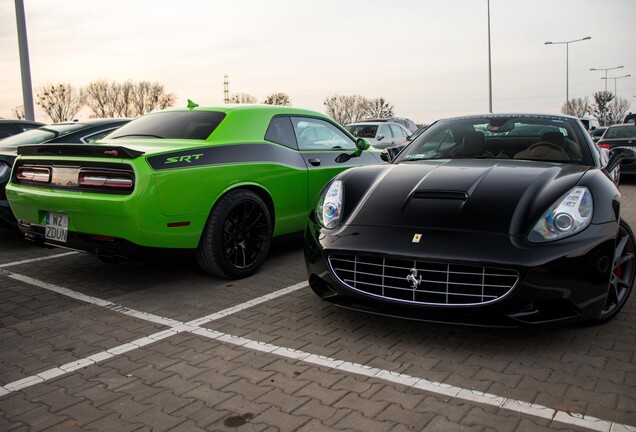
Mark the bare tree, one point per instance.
(278, 99)
(61, 102)
(345, 109)
(618, 109)
(127, 99)
(378, 108)
(124, 102)
(601, 109)
(577, 107)
(149, 97)
(101, 98)
(242, 98)
(18, 112)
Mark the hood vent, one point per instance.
(442, 195)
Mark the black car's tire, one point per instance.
(622, 277)
(236, 237)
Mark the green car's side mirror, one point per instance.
(362, 144)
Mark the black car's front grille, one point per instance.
(422, 282)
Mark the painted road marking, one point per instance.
(193, 327)
(32, 260)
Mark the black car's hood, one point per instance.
(498, 196)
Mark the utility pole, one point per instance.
(489, 65)
(226, 89)
(25, 67)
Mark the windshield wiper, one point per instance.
(138, 135)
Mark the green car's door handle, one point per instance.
(314, 162)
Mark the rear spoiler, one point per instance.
(85, 150)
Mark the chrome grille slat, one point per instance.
(432, 283)
(423, 291)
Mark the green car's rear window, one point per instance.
(171, 124)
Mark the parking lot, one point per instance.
(161, 346)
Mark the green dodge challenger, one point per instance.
(222, 181)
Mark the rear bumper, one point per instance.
(134, 219)
(98, 245)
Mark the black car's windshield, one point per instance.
(171, 124)
(524, 137)
(41, 134)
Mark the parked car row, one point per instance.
(70, 132)
(486, 219)
(380, 134)
(9, 127)
(620, 135)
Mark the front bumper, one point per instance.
(564, 281)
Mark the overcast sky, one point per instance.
(429, 58)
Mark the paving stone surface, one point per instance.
(290, 363)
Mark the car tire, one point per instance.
(622, 276)
(236, 237)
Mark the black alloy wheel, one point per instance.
(237, 236)
(622, 276)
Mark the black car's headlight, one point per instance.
(570, 214)
(5, 169)
(329, 208)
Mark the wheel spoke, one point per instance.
(620, 246)
(623, 259)
(256, 220)
(623, 271)
(620, 282)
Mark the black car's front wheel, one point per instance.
(623, 272)
(236, 237)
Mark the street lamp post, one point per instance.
(489, 65)
(25, 67)
(606, 69)
(567, 63)
(615, 79)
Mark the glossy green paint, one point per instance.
(184, 194)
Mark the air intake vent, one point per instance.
(422, 282)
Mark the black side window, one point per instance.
(398, 132)
(280, 131)
(385, 131)
(172, 124)
(317, 134)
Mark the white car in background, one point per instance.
(380, 134)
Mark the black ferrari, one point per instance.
(501, 220)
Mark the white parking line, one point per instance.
(193, 326)
(31, 260)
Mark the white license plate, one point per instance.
(56, 227)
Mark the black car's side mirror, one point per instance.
(390, 153)
(380, 137)
(619, 155)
